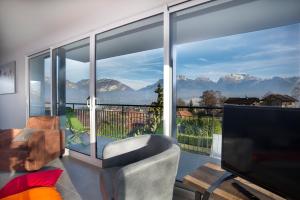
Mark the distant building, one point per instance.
(242, 101)
(184, 114)
(280, 100)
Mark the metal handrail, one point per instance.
(145, 105)
(121, 123)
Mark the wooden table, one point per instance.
(202, 178)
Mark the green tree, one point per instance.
(191, 105)
(156, 110)
(180, 102)
(212, 98)
(209, 98)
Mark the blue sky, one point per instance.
(136, 70)
(264, 54)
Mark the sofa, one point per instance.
(29, 149)
(139, 168)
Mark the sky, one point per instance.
(136, 70)
(263, 54)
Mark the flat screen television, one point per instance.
(262, 145)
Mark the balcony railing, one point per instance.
(195, 125)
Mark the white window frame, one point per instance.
(27, 79)
(169, 109)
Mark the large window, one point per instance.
(40, 85)
(73, 79)
(241, 52)
(129, 74)
(223, 52)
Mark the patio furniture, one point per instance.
(139, 168)
(32, 147)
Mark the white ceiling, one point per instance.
(23, 22)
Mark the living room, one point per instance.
(147, 99)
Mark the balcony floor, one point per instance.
(71, 184)
(190, 161)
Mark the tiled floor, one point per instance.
(81, 180)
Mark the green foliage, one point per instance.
(180, 102)
(212, 98)
(155, 125)
(195, 134)
(195, 140)
(113, 130)
(191, 106)
(199, 126)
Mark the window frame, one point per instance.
(169, 71)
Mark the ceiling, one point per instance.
(23, 22)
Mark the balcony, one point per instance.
(150, 67)
(198, 129)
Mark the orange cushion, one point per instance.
(38, 193)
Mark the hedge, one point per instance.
(195, 140)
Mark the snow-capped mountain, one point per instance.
(232, 85)
(237, 78)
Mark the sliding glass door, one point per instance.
(128, 85)
(39, 85)
(239, 52)
(72, 63)
(129, 81)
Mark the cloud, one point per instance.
(136, 70)
(264, 68)
(203, 59)
(265, 53)
(271, 50)
(76, 70)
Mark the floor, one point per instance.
(188, 161)
(85, 185)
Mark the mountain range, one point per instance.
(110, 91)
(237, 85)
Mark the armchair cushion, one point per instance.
(7, 136)
(142, 167)
(134, 149)
(31, 148)
(156, 173)
(24, 182)
(38, 193)
(24, 135)
(43, 122)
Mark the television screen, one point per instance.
(262, 145)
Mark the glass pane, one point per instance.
(73, 69)
(129, 81)
(40, 85)
(231, 53)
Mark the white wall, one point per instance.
(13, 106)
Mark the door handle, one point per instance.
(88, 101)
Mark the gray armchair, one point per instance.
(139, 168)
